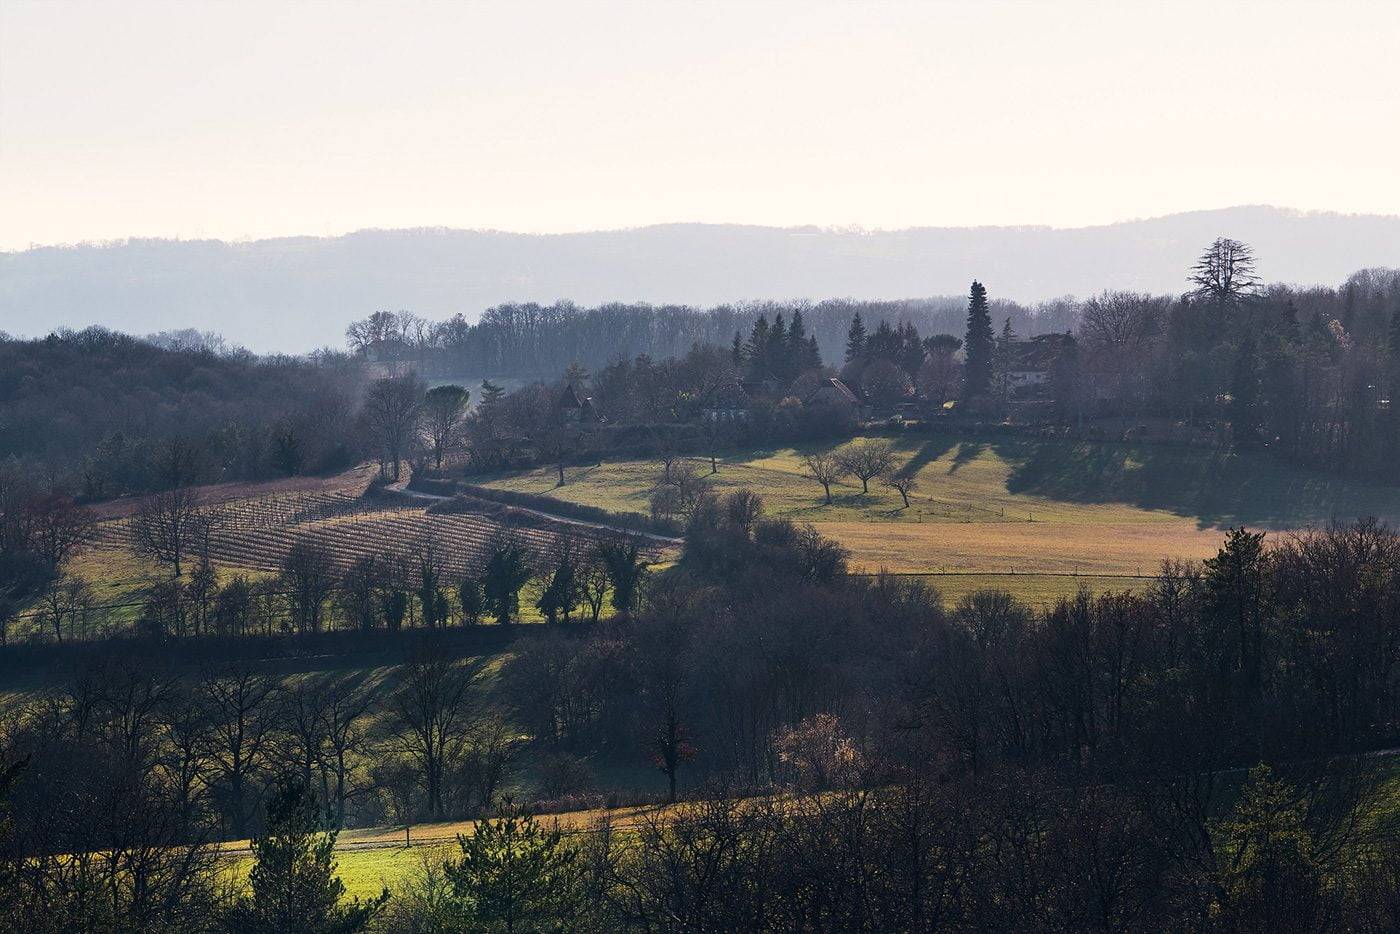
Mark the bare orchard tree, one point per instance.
(1224, 275)
(867, 460)
(391, 412)
(903, 483)
(444, 414)
(170, 525)
(433, 716)
(826, 468)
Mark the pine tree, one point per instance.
(756, 350)
(736, 350)
(490, 393)
(911, 350)
(796, 350)
(515, 875)
(883, 344)
(855, 340)
(776, 351)
(979, 344)
(293, 881)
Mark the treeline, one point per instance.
(1310, 374)
(539, 342)
(106, 414)
(574, 578)
(1307, 374)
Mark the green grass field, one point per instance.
(998, 512)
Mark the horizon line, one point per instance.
(851, 229)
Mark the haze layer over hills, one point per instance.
(297, 293)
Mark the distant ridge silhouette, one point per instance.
(297, 293)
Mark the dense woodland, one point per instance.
(856, 754)
(106, 414)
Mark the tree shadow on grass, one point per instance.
(967, 452)
(1216, 488)
(927, 453)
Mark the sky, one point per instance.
(250, 119)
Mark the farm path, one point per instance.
(401, 487)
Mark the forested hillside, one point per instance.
(117, 414)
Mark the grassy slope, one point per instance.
(373, 857)
(991, 509)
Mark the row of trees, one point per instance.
(575, 579)
(537, 342)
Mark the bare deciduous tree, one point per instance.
(391, 412)
(309, 576)
(867, 460)
(434, 716)
(239, 700)
(169, 525)
(826, 468)
(56, 527)
(903, 483)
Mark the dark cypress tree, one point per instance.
(911, 350)
(796, 349)
(883, 344)
(736, 350)
(776, 351)
(756, 350)
(855, 340)
(980, 344)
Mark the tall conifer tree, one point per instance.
(979, 345)
(855, 340)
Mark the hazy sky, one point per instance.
(253, 119)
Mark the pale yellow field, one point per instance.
(1108, 548)
(1008, 509)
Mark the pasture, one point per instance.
(1005, 511)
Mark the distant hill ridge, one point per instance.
(297, 293)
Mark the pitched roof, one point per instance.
(1037, 353)
(568, 399)
(833, 386)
